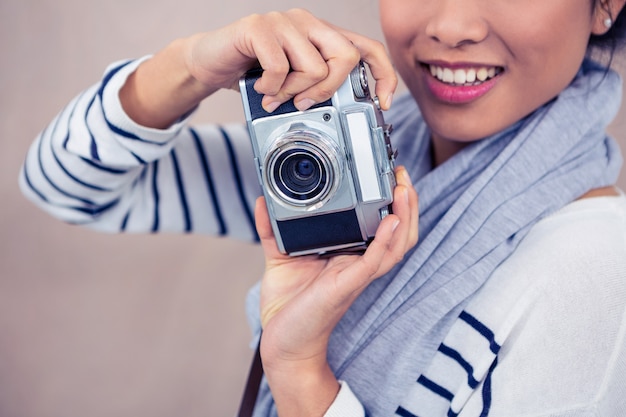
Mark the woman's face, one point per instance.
(476, 67)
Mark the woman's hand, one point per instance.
(303, 58)
(303, 298)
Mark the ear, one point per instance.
(604, 15)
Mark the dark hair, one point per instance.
(614, 39)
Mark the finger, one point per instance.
(299, 66)
(414, 225)
(294, 84)
(312, 81)
(264, 230)
(279, 46)
(341, 58)
(374, 53)
(403, 178)
(399, 239)
(386, 80)
(368, 266)
(405, 234)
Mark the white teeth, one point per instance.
(460, 77)
(471, 76)
(482, 74)
(463, 76)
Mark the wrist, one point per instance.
(162, 90)
(304, 388)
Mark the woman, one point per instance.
(512, 303)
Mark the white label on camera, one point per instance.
(360, 137)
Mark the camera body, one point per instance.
(327, 172)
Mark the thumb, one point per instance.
(264, 230)
(262, 219)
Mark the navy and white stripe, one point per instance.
(458, 381)
(94, 166)
(461, 369)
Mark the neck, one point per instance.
(444, 149)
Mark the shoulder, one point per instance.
(585, 237)
(577, 252)
(566, 284)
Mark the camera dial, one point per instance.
(358, 80)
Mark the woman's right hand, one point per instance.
(303, 58)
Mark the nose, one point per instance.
(455, 23)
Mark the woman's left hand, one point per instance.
(304, 297)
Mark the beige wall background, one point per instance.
(120, 325)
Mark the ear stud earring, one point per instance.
(608, 22)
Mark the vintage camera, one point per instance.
(327, 172)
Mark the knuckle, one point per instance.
(395, 257)
(352, 55)
(273, 15)
(253, 20)
(298, 12)
(318, 72)
(378, 46)
(278, 21)
(324, 91)
(287, 93)
(277, 69)
(370, 268)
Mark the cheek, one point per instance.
(546, 61)
(401, 28)
(555, 35)
(399, 21)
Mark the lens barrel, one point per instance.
(302, 169)
(300, 174)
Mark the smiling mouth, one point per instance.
(466, 77)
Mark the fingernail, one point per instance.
(304, 104)
(270, 107)
(405, 175)
(388, 101)
(395, 225)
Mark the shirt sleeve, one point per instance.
(346, 404)
(94, 166)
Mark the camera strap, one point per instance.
(246, 408)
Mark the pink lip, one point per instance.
(458, 94)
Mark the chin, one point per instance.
(460, 133)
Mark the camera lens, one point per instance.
(303, 169)
(300, 174)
